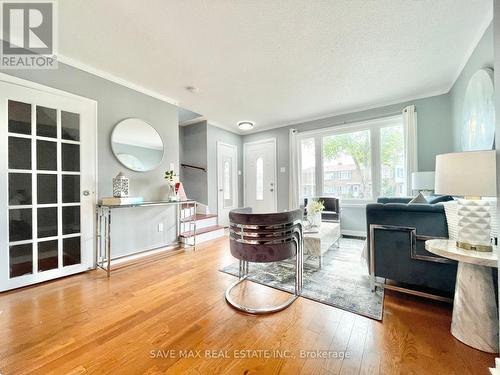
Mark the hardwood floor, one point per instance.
(143, 317)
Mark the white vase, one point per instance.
(315, 219)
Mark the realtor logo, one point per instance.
(28, 35)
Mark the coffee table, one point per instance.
(318, 240)
(475, 313)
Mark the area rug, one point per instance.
(342, 281)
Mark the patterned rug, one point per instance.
(342, 281)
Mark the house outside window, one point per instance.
(356, 163)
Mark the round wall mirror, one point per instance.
(137, 145)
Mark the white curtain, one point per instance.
(293, 194)
(410, 129)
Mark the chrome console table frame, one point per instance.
(294, 233)
(103, 212)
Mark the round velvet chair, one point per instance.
(265, 238)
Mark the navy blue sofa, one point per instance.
(397, 232)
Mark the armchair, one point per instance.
(332, 208)
(395, 239)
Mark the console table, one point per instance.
(103, 228)
(475, 313)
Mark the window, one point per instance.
(308, 167)
(392, 159)
(359, 162)
(259, 179)
(347, 161)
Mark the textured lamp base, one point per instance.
(474, 229)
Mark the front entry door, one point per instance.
(47, 184)
(227, 181)
(260, 175)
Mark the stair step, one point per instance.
(201, 231)
(198, 217)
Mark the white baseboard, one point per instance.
(356, 233)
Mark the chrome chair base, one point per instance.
(243, 275)
(256, 311)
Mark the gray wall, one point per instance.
(115, 103)
(193, 151)
(482, 57)
(214, 135)
(434, 137)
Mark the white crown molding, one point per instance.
(118, 80)
(123, 82)
(350, 111)
(193, 121)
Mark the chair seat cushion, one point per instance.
(262, 253)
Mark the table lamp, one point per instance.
(472, 175)
(423, 182)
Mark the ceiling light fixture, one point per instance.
(192, 89)
(246, 125)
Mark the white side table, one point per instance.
(475, 313)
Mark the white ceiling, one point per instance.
(275, 61)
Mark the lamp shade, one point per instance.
(470, 173)
(422, 180)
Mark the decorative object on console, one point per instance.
(423, 182)
(120, 186)
(180, 192)
(472, 175)
(172, 179)
(478, 129)
(314, 209)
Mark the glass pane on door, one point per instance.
(20, 260)
(44, 199)
(228, 183)
(46, 122)
(48, 255)
(19, 117)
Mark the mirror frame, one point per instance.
(116, 155)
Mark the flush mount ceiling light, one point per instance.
(192, 89)
(246, 125)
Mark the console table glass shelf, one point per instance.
(185, 214)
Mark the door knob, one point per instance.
(86, 193)
(221, 190)
(271, 189)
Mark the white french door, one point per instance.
(227, 181)
(260, 175)
(47, 184)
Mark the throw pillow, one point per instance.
(433, 199)
(418, 199)
(451, 212)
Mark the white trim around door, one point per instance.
(275, 172)
(227, 190)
